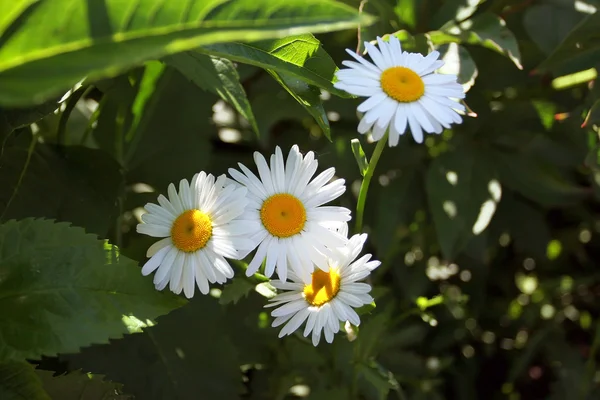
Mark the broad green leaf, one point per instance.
(217, 75)
(368, 343)
(463, 193)
(548, 24)
(307, 95)
(63, 289)
(593, 116)
(458, 61)
(375, 381)
(79, 386)
(196, 349)
(171, 141)
(538, 181)
(147, 84)
(486, 29)
(233, 292)
(14, 118)
(457, 10)
(18, 381)
(74, 184)
(406, 11)
(41, 56)
(301, 56)
(581, 47)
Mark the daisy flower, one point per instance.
(200, 229)
(403, 91)
(327, 298)
(290, 225)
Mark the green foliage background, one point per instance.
(488, 234)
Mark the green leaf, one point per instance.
(74, 184)
(18, 381)
(458, 61)
(233, 292)
(406, 11)
(63, 289)
(100, 39)
(217, 75)
(301, 56)
(375, 381)
(15, 118)
(457, 10)
(172, 140)
(580, 49)
(366, 309)
(487, 30)
(307, 95)
(368, 343)
(196, 349)
(463, 193)
(359, 155)
(548, 24)
(77, 386)
(538, 181)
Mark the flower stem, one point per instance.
(364, 187)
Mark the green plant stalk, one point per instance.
(364, 187)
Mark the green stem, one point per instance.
(364, 187)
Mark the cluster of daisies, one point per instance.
(280, 213)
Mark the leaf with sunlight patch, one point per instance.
(61, 289)
(463, 195)
(98, 39)
(300, 55)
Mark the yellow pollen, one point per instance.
(191, 231)
(402, 84)
(283, 215)
(324, 287)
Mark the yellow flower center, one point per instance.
(402, 84)
(191, 231)
(283, 215)
(323, 288)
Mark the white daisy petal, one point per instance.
(326, 299)
(284, 211)
(201, 224)
(394, 84)
(154, 262)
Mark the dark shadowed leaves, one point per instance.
(74, 184)
(18, 381)
(463, 191)
(79, 386)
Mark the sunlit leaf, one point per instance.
(63, 289)
(307, 95)
(101, 39)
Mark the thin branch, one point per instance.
(360, 10)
